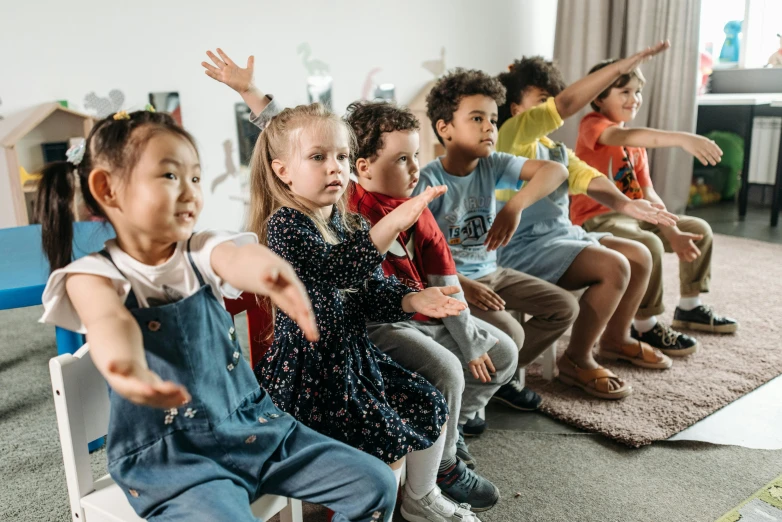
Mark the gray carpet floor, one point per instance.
(543, 476)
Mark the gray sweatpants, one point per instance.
(429, 349)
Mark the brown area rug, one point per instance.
(746, 285)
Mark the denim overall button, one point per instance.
(153, 326)
(133, 493)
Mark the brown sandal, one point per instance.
(594, 382)
(639, 354)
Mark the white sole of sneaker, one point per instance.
(473, 508)
(725, 328)
(511, 405)
(683, 352)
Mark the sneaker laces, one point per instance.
(668, 334)
(516, 385)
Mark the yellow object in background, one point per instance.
(26, 177)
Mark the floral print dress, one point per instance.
(342, 385)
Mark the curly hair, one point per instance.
(619, 83)
(534, 71)
(370, 120)
(444, 98)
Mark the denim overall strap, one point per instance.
(130, 302)
(192, 263)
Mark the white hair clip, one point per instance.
(76, 153)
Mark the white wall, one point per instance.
(63, 50)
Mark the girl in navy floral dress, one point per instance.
(342, 385)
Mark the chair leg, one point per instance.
(549, 362)
(293, 512)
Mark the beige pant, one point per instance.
(552, 308)
(693, 277)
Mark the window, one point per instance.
(761, 22)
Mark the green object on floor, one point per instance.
(732, 146)
(767, 501)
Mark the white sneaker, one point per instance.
(435, 508)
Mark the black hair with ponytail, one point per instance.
(114, 143)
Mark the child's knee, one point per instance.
(567, 308)
(505, 357)
(446, 373)
(617, 270)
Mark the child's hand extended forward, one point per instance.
(385, 231)
(434, 302)
(140, 385)
(705, 150)
(626, 65)
(645, 210)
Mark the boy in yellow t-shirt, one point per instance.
(614, 271)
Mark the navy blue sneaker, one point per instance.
(517, 396)
(464, 486)
(474, 427)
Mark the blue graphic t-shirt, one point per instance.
(466, 212)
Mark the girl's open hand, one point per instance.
(281, 284)
(434, 302)
(226, 71)
(140, 385)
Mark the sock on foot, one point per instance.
(689, 303)
(644, 325)
(446, 465)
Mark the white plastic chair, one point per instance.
(81, 400)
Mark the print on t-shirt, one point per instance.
(625, 178)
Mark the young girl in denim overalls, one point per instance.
(191, 435)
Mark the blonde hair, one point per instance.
(269, 192)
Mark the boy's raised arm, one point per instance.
(577, 95)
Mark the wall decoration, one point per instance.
(104, 106)
(374, 91)
(436, 67)
(167, 102)
(319, 81)
(230, 166)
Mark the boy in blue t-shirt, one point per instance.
(463, 109)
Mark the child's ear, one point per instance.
(102, 189)
(444, 130)
(515, 109)
(280, 171)
(362, 169)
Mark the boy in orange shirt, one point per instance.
(620, 153)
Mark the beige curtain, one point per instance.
(589, 31)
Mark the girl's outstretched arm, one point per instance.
(256, 269)
(116, 344)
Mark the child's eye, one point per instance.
(403, 159)
(494, 122)
(196, 179)
(342, 157)
(318, 157)
(478, 119)
(169, 175)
